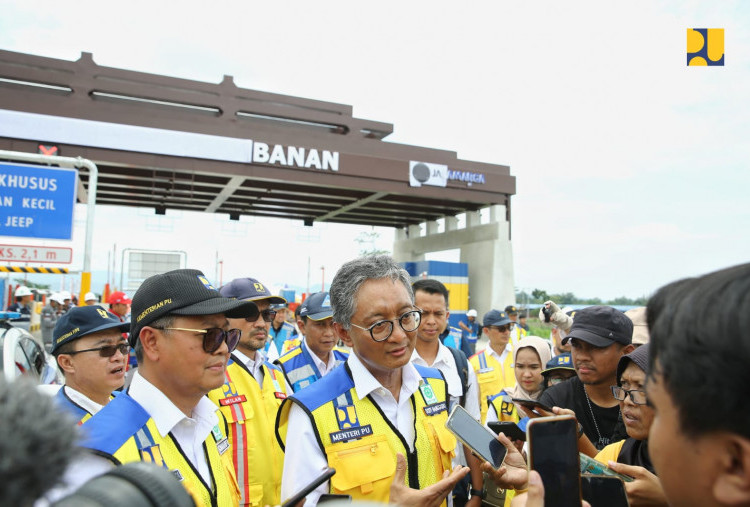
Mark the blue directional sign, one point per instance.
(37, 202)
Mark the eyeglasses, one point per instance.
(637, 396)
(106, 350)
(213, 337)
(382, 329)
(502, 329)
(267, 314)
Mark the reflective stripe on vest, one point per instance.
(492, 377)
(250, 410)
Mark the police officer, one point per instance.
(318, 354)
(182, 341)
(91, 352)
(250, 398)
(494, 365)
(375, 406)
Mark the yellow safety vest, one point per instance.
(250, 410)
(361, 445)
(124, 432)
(492, 376)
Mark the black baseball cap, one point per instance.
(511, 310)
(601, 326)
(639, 356)
(250, 289)
(317, 307)
(80, 321)
(182, 292)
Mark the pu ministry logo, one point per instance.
(705, 47)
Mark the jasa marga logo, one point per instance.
(705, 47)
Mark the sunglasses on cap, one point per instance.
(106, 350)
(267, 314)
(213, 337)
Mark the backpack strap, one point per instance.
(462, 365)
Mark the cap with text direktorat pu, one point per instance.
(250, 289)
(317, 307)
(601, 326)
(182, 292)
(81, 321)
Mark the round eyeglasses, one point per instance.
(382, 329)
(637, 396)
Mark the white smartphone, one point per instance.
(476, 437)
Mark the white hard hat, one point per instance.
(89, 296)
(57, 297)
(23, 291)
(64, 294)
(471, 313)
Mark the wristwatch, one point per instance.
(477, 492)
(580, 430)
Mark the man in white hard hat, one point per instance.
(470, 331)
(50, 313)
(23, 299)
(90, 299)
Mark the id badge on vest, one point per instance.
(432, 405)
(222, 442)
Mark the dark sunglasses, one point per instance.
(106, 350)
(502, 329)
(267, 314)
(214, 337)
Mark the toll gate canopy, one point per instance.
(171, 143)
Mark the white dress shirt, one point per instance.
(253, 365)
(323, 368)
(82, 400)
(304, 460)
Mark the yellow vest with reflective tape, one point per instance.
(124, 432)
(492, 377)
(362, 445)
(250, 411)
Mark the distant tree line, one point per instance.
(540, 296)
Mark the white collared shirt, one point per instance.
(82, 400)
(253, 365)
(323, 368)
(190, 432)
(500, 357)
(304, 460)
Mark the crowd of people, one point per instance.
(246, 402)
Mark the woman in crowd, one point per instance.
(630, 456)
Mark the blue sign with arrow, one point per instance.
(37, 202)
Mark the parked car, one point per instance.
(22, 355)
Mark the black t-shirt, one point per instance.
(570, 394)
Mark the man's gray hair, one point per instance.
(160, 323)
(353, 274)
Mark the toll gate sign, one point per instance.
(37, 202)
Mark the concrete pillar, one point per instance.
(485, 248)
(451, 224)
(400, 234)
(473, 219)
(415, 231)
(432, 228)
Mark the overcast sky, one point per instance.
(631, 167)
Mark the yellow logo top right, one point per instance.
(705, 47)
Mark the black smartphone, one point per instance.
(604, 491)
(476, 437)
(510, 429)
(323, 477)
(553, 452)
(532, 404)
